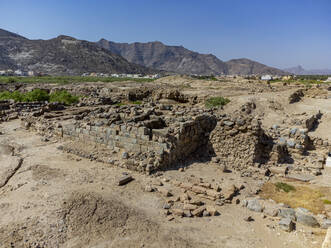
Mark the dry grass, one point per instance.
(302, 196)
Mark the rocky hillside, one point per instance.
(299, 70)
(61, 56)
(247, 67)
(169, 58)
(178, 59)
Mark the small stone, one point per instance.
(205, 213)
(177, 211)
(248, 219)
(166, 206)
(228, 123)
(165, 192)
(190, 206)
(149, 188)
(215, 159)
(212, 210)
(170, 218)
(286, 224)
(187, 213)
(124, 180)
(125, 155)
(229, 193)
(198, 212)
(219, 202)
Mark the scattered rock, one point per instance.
(205, 213)
(326, 223)
(165, 192)
(170, 218)
(212, 210)
(229, 193)
(149, 188)
(177, 211)
(286, 224)
(287, 213)
(198, 212)
(306, 218)
(187, 213)
(125, 155)
(254, 205)
(248, 219)
(166, 206)
(124, 180)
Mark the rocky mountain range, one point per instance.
(63, 55)
(299, 70)
(66, 55)
(178, 59)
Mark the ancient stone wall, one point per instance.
(142, 148)
(240, 142)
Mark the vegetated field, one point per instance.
(61, 96)
(68, 79)
(216, 102)
(295, 196)
(307, 80)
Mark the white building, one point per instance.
(328, 80)
(18, 73)
(266, 77)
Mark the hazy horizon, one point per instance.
(281, 34)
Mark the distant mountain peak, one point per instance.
(178, 59)
(299, 70)
(7, 34)
(65, 37)
(63, 55)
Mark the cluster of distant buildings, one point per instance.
(125, 75)
(288, 77)
(22, 73)
(19, 73)
(268, 77)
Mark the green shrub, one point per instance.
(64, 97)
(285, 187)
(11, 80)
(216, 102)
(137, 102)
(326, 201)
(38, 95)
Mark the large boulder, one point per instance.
(287, 213)
(254, 205)
(304, 217)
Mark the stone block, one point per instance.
(286, 224)
(198, 212)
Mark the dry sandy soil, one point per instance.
(59, 200)
(55, 199)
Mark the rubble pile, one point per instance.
(146, 138)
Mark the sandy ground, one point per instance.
(59, 200)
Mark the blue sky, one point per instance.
(279, 33)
